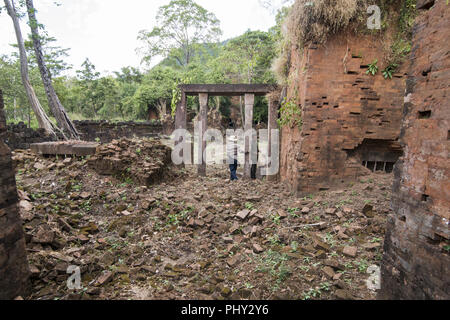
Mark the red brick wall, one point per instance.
(341, 107)
(416, 264)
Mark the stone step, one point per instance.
(79, 149)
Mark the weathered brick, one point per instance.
(14, 271)
(415, 263)
(349, 117)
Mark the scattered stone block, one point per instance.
(105, 278)
(350, 251)
(257, 249)
(328, 272)
(243, 214)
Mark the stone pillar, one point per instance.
(181, 113)
(274, 107)
(203, 120)
(14, 272)
(249, 103)
(416, 261)
(181, 116)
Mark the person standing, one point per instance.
(232, 154)
(254, 166)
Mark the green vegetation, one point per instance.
(309, 22)
(131, 94)
(373, 68)
(362, 265)
(316, 292)
(290, 114)
(274, 263)
(293, 212)
(174, 219)
(249, 206)
(276, 219)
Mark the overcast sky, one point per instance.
(105, 31)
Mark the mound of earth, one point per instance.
(143, 161)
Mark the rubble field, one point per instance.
(140, 228)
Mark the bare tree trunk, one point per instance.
(15, 106)
(55, 104)
(162, 108)
(218, 103)
(42, 118)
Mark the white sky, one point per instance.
(105, 31)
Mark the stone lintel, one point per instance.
(63, 148)
(227, 89)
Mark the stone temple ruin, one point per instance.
(350, 120)
(415, 265)
(352, 123)
(249, 91)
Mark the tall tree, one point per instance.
(54, 55)
(55, 104)
(181, 26)
(247, 58)
(156, 91)
(41, 116)
(88, 81)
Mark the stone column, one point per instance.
(274, 107)
(181, 113)
(181, 116)
(14, 272)
(249, 103)
(203, 119)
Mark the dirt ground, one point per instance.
(187, 237)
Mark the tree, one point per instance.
(107, 98)
(55, 105)
(88, 95)
(181, 26)
(13, 89)
(156, 91)
(17, 106)
(247, 58)
(42, 118)
(53, 55)
(129, 75)
(129, 80)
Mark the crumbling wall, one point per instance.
(416, 263)
(13, 262)
(107, 131)
(342, 107)
(19, 136)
